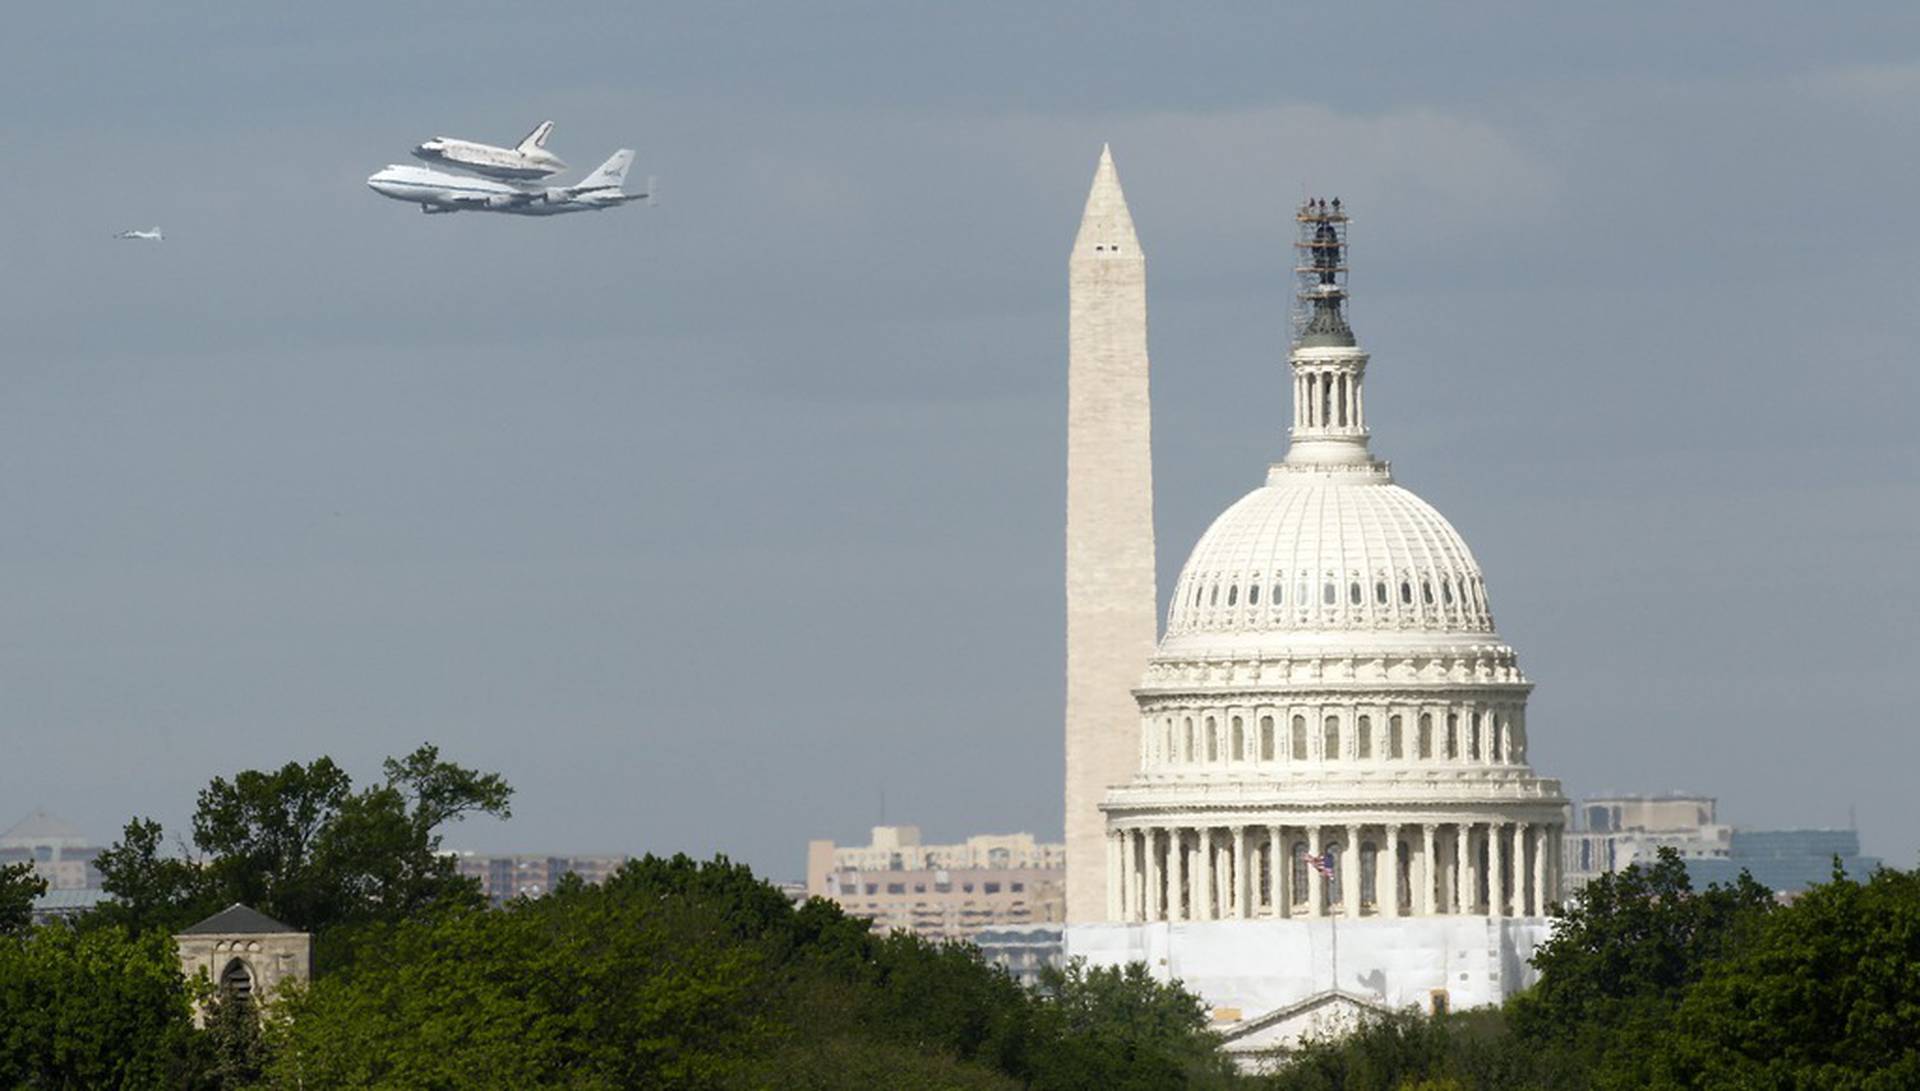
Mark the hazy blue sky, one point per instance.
(708, 523)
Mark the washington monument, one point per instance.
(1111, 626)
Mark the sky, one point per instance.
(737, 521)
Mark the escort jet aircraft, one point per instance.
(439, 191)
(152, 234)
(527, 161)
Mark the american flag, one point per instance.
(1322, 863)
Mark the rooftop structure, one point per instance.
(245, 953)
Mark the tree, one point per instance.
(19, 886)
(150, 888)
(1119, 1028)
(1622, 956)
(94, 1009)
(301, 845)
(1826, 993)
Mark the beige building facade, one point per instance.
(530, 875)
(951, 891)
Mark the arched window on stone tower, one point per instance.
(236, 981)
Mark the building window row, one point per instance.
(1406, 593)
(1484, 734)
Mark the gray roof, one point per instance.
(41, 828)
(236, 919)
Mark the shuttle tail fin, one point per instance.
(611, 174)
(537, 138)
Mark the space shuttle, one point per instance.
(526, 161)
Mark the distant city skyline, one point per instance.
(705, 525)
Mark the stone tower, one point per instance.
(1110, 582)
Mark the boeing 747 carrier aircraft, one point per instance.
(439, 191)
(523, 162)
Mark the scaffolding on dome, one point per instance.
(1321, 266)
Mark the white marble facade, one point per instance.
(1331, 747)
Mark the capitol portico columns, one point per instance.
(1427, 872)
(1496, 892)
(1276, 876)
(1350, 874)
(1392, 885)
(1156, 894)
(1316, 883)
(1520, 869)
(1177, 878)
(1540, 835)
(1203, 887)
(1462, 876)
(1242, 888)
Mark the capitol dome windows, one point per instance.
(1233, 594)
(1453, 737)
(1330, 739)
(1406, 593)
(1363, 737)
(1298, 751)
(1266, 738)
(1393, 738)
(1426, 735)
(1239, 751)
(1253, 594)
(1329, 593)
(1380, 593)
(1353, 593)
(1213, 741)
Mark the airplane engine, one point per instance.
(501, 202)
(557, 196)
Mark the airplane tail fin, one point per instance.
(611, 174)
(537, 138)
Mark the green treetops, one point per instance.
(300, 844)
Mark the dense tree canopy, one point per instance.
(677, 973)
(94, 1009)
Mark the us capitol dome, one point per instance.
(1330, 730)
